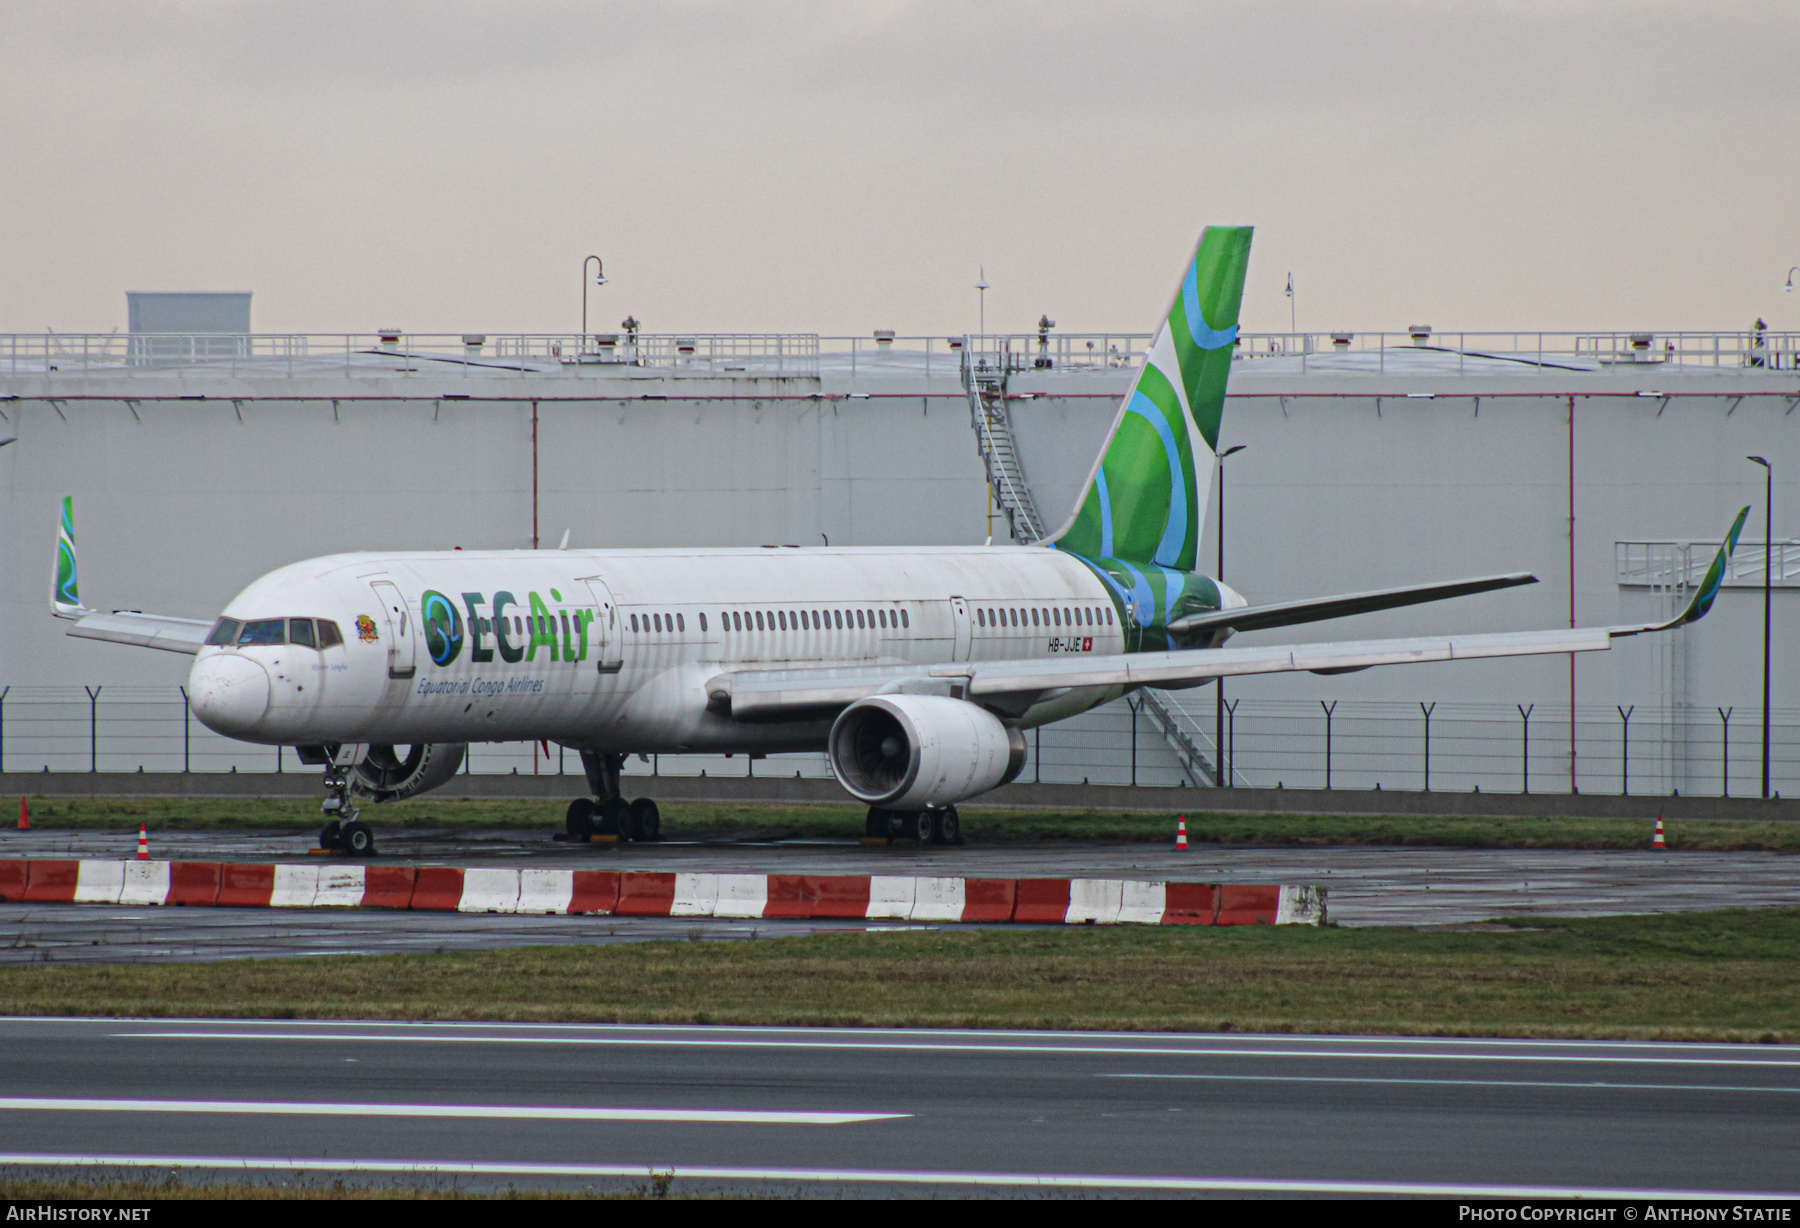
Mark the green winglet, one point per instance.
(1715, 576)
(65, 589)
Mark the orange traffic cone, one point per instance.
(24, 816)
(1181, 834)
(1656, 841)
(143, 844)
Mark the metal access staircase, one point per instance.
(985, 381)
(984, 378)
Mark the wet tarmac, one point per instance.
(1365, 885)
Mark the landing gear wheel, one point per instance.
(331, 835)
(612, 818)
(646, 820)
(879, 825)
(579, 821)
(946, 827)
(919, 825)
(357, 839)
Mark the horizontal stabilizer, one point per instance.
(187, 635)
(1317, 609)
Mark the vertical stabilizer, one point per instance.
(65, 589)
(1147, 496)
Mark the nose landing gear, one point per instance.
(345, 832)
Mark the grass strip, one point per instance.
(191, 1186)
(1696, 976)
(701, 820)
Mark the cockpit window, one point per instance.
(300, 631)
(329, 635)
(224, 631)
(264, 631)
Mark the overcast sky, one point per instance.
(840, 167)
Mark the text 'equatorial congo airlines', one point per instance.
(914, 670)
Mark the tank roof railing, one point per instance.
(1680, 566)
(387, 353)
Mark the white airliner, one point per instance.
(915, 670)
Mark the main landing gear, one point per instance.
(926, 826)
(606, 813)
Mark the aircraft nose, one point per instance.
(229, 694)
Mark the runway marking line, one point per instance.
(867, 1175)
(1140, 1050)
(527, 1112)
(1598, 1086)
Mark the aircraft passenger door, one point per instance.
(959, 610)
(402, 633)
(608, 644)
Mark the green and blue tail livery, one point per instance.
(1145, 501)
(65, 593)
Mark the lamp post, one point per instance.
(1224, 781)
(1790, 284)
(981, 285)
(599, 280)
(1768, 591)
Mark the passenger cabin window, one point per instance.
(224, 631)
(329, 635)
(300, 631)
(264, 631)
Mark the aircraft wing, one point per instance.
(1016, 684)
(1013, 685)
(1316, 609)
(186, 635)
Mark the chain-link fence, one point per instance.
(1293, 744)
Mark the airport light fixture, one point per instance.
(1768, 591)
(981, 284)
(1219, 684)
(599, 280)
(1790, 281)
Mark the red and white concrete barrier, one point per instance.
(878, 897)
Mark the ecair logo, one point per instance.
(515, 630)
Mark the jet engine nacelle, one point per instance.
(385, 775)
(912, 752)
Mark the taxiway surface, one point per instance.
(855, 1111)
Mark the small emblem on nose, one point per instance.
(365, 629)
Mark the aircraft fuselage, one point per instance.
(613, 650)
